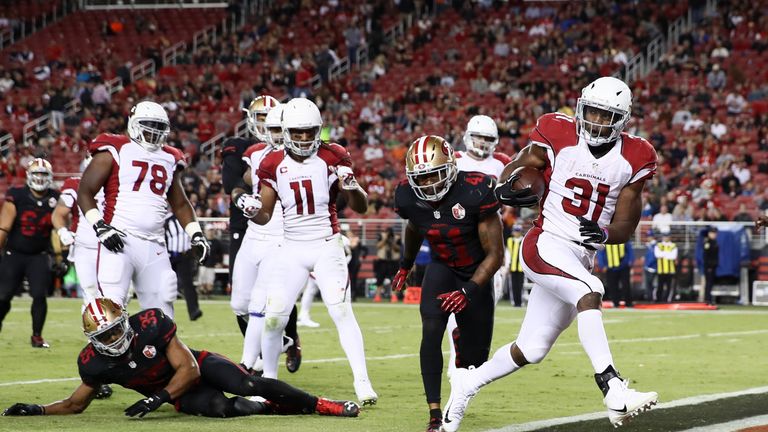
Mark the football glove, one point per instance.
(147, 405)
(200, 243)
(248, 204)
(22, 409)
(455, 301)
(109, 236)
(66, 236)
(515, 198)
(398, 282)
(591, 232)
(346, 177)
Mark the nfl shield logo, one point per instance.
(149, 351)
(458, 211)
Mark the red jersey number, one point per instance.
(159, 177)
(147, 319)
(582, 191)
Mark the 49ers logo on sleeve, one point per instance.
(458, 211)
(149, 351)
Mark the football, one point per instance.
(530, 177)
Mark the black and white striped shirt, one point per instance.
(176, 239)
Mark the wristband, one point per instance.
(93, 216)
(470, 288)
(164, 396)
(407, 263)
(605, 232)
(193, 228)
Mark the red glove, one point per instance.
(398, 282)
(454, 301)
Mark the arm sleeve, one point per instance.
(232, 171)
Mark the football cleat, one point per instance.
(434, 424)
(461, 394)
(624, 403)
(337, 408)
(39, 342)
(365, 393)
(293, 356)
(104, 392)
(306, 322)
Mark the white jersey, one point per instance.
(135, 193)
(578, 184)
(85, 236)
(307, 190)
(493, 165)
(253, 157)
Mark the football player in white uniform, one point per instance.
(480, 139)
(140, 177)
(306, 178)
(595, 175)
(311, 289)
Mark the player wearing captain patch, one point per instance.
(140, 176)
(595, 175)
(303, 182)
(457, 213)
(25, 233)
(143, 353)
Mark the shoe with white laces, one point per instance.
(461, 393)
(365, 393)
(624, 403)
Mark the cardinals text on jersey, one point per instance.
(135, 193)
(578, 183)
(307, 190)
(253, 157)
(492, 166)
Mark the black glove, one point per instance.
(200, 243)
(109, 236)
(22, 409)
(592, 232)
(515, 198)
(146, 406)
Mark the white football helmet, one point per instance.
(609, 98)
(148, 125)
(106, 325)
(481, 136)
(274, 126)
(301, 114)
(256, 113)
(39, 175)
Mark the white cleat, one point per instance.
(365, 393)
(306, 322)
(461, 394)
(258, 366)
(624, 403)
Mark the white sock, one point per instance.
(272, 343)
(252, 342)
(593, 339)
(449, 328)
(306, 301)
(498, 366)
(350, 337)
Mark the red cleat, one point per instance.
(337, 408)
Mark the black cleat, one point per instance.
(105, 391)
(39, 342)
(293, 356)
(434, 424)
(194, 316)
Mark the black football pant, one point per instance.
(666, 289)
(516, 281)
(235, 240)
(184, 266)
(219, 375)
(36, 268)
(472, 336)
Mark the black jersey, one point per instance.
(144, 367)
(232, 174)
(31, 230)
(450, 225)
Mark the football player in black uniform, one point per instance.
(25, 231)
(233, 168)
(143, 353)
(457, 212)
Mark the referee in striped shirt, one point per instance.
(183, 263)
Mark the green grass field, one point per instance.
(678, 354)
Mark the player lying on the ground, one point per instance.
(143, 353)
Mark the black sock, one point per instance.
(242, 322)
(39, 311)
(290, 327)
(435, 413)
(431, 357)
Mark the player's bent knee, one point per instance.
(534, 354)
(589, 301)
(340, 311)
(275, 322)
(218, 407)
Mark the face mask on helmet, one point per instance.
(274, 127)
(432, 184)
(256, 125)
(603, 110)
(256, 115)
(110, 332)
(302, 142)
(275, 138)
(480, 145)
(148, 125)
(39, 175)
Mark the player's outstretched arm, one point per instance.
(533, 156)
(492, 240)
(629, 207)
(76, 403)
(7, 216)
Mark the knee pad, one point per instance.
(274, 322)
(218, 406)
(340, 311)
